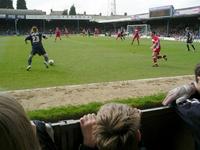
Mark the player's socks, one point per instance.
(28, 68)
(165, 57)
(155, 65)
(30, 60)
(193, 47)
(188, 47)
(46, 64)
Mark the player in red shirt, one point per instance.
(57, 33)
(156, 49)
(136, 36)
(120, 34)
(96, 31)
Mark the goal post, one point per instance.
(143, 28)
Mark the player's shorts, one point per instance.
(157, 50)
(57, 35)
(189, 41)
(136, 37)
(38, 50)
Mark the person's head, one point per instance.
(197, 77)
(197, 73)
(187, 29)
(117, 127)
(34, 29)
(153, 33)
(16, 132)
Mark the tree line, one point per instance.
(21, 4)
(8, 4)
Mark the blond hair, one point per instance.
(16, 132)
(34, 29)
(117, 127)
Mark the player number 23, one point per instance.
(35, 39)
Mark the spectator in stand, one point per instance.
(18, 133)
(186, 101)
(115, 127)
(15, 127)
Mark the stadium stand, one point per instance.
(19, 21)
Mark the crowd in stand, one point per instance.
(177, 32)
(7, 27)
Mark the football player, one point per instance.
(37, 48)
(189, 40)
(83, 32)
(57, 33)
(96, 32)
(156, 49)
(66, 32)
(121, 34)
(136, 36)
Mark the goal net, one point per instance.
(144, 29)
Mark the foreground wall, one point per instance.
(161, 128)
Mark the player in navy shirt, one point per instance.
(189, 39)
(37, 48)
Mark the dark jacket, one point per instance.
(45, 140)
(189, 111)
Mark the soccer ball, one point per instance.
(51, 62)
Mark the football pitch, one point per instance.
(81, 60)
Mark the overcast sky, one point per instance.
(104, 6)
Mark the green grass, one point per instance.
(75, 112)
(81, 60)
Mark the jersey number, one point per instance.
(36, 39)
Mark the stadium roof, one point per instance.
(108, 19)
(57, 15)
(184, 12)
(56, 12)
(21, 12)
